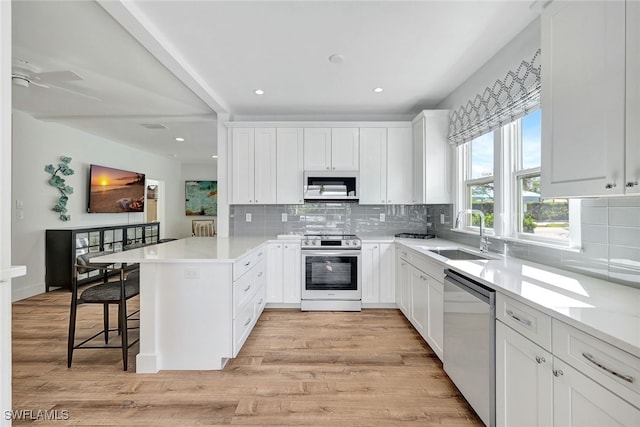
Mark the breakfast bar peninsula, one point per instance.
(199, 299)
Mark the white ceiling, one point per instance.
(218, 52)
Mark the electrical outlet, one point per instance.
(20, 214)
(284, 217)
(191, 273)
(383, 217)
(441, 218)
(247, 217)
(19, 204)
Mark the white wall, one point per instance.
(5, 209)
(523, 46)
(36, 144)
(195, 172)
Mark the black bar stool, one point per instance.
(105, 293)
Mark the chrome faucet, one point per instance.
(484, 241)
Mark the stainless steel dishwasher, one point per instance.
(469, 342)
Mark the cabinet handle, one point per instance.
(558, 372)
(422, 277)
(247, 264)
(334, 168)
(610, 186)
(590, 358)
(327, 167)
(260, 274)
(382, 201)
(256, 201)
(247, 322)
(388, 201)
(260, 302)
(632, 183)
(247, 288)
(523, 321)
(540, 359)
(260, 254)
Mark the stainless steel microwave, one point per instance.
(331, 186)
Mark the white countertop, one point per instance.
(604, 309)
(13, 271)
(189, 250)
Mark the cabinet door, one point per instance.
(387, 273)
(265, 166)
(435, 322)
(345, 151)
(370, 273)
(583, 98)
(403, 290)
(317, 149)
(419, 161)
(289, 166)
(633, 99)
(292, 272)
(524, 381)
(399, 166)
(581, 402)
(275, 273)
(419, 300)
(373, 166)
(242, 170)
(438, 157)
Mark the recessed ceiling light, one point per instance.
(179, 139)
(378, 90)
(173, 155)
(336, 58)
(258, 92)
(214, 157)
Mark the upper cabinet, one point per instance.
(584, 92)
(289, 166)
(633, 99)
(386, 168)
(253, 157)
(432, 156)
(331, 149)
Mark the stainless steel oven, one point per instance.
(331, 273)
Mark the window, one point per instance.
(479, 179)
(512, 184)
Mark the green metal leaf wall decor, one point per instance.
(59, 182)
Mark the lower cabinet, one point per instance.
(420, 295)
(535, 387)
(249, 299)
(284, 272)
(524, 381)
(378, 278)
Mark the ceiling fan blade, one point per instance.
(55, 76)
(39, 84)
(52, 86)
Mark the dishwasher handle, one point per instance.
(472, 286)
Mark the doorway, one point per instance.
(154, 210)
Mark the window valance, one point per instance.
(507, 100)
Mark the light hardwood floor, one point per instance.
(296, 369)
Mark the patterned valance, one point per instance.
(504, 102)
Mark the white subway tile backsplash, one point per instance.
(594, 215)
(624, 216)
(595, 233)
(594, 202)
(625, 202)
(624, 236)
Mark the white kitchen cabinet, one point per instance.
(419, 300)
(581, 402)
(378, 284)
(292, 268)
(435, 317)
(399, 166)
(583, 99)
(283, 272)
(432, 156)
(632, 137)
(524, 381)
(386, 166)
(253, 156)
(331, 149)
(289, 166)
(373, 166)
(403, 290)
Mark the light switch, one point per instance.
(247, 217)
(19, 204)
(383, 217)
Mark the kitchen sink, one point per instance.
(458, 254)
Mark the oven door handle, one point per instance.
(348, 252)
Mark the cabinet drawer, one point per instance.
(610, 366)
(530, 322)
(432, 268)
(247, 262)
(247, 285)
(403, 253)
(242, 325)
